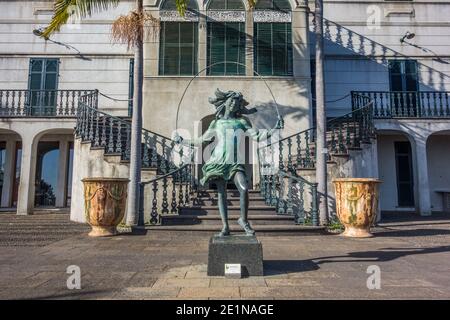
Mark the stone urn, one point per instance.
(356, 205)
(104, 202)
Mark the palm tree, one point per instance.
(129, 29)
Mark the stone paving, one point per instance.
(413, 255)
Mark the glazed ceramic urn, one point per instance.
(356, 205)
(105, 202)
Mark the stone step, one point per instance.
(214, 210)
(261, 230)
(231, 201)
(216, 220)
(210, 193)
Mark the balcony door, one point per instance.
(405, 179)
(404, 85)
(43, 85)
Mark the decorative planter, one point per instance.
(356, 205)
(105, 202)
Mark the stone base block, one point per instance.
(241, 249)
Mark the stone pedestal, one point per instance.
(240, 249)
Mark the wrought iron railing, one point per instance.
(406, 104)
(40, 103)
(346, 132)
(113, 134)
(166, 194)
(290, 194)
(281, 183)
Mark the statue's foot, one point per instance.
(225, 232)
(246, 226)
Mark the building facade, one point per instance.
(40, 84)
(394, 53)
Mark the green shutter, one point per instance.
(178, 48)
(273, 49)
(226, 43)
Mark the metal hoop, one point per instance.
(212, 65)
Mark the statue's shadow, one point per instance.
(275, 267)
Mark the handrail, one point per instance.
(127, 122)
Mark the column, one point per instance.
(423, 199)
(249, 43)
(8, 178)
(25, 201)
(61, 194)
(202, 39)
(375, 173)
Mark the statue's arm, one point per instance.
(207, 136)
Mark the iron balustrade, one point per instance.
(281, 162)
(113, 135)
(405, 104)
(166, 194)
(298, 151)
(41, 103)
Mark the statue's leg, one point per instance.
(241, 183)
(223, 209)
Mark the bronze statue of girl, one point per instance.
(224, 164)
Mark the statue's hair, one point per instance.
(221, 97)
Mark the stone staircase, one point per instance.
(286, 202)
(203, 215)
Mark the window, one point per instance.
(403, 75)
(273, 38)
(178, 40)
(404, 85)
(226, 38)
(43, 83)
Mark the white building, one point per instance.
(407, 82)
(40, 83)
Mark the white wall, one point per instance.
(438, 150)
(107, 71)
(357, 56)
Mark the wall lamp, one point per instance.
(40, 33)
(408, 35)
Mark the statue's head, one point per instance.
(230, 101)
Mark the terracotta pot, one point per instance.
(356, 205)
(105, 202)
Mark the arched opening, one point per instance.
(438, 159)
(396, 171)
(226, 37)
(10, 165)
(178, 46)
(53, 174)
(272, 40)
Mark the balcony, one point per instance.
(40, 103)
(404, 104)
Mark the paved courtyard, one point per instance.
(412, 253)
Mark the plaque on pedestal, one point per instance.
(240, 249)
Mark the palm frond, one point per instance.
(63, 10)
(130, 28)
(252, 3)
(181, 6)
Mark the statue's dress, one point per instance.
(227, 157)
